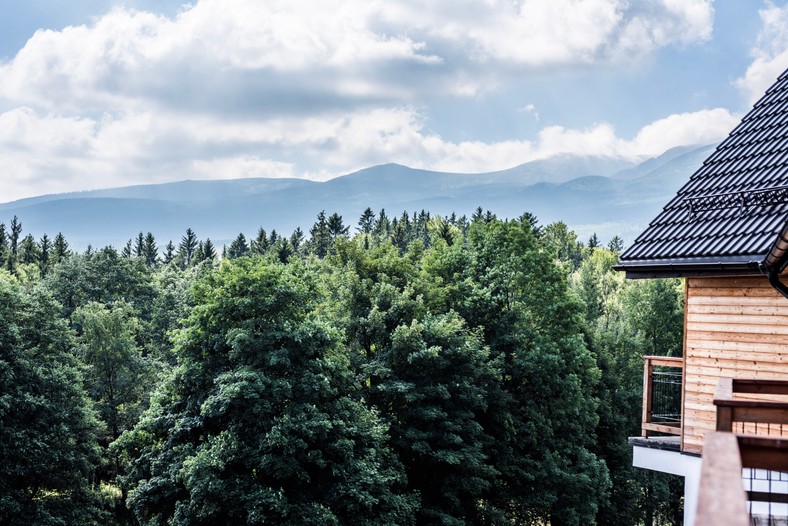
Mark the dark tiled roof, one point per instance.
(734, 208)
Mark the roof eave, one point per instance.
(691, 267)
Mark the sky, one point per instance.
(105, 93)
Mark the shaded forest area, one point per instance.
(423, 370)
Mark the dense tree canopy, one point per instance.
(428, 370)
(48, 442)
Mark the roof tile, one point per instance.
(699, 222)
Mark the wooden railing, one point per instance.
(653, 381)
(748, 414)
(722, 499)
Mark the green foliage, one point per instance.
(429, 370)
(47, 427)
(257, 426)
(434, 381)
(103, 277)
(626, 320)
(116, 376)
(238, 248)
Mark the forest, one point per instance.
(415, 370)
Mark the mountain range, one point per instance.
(591, 194)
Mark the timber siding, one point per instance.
(735, 327)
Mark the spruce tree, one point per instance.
(208, 251)
(187, 247)
(320, 236)
(13, 239)
(616, 245)
(3, 243)
(149, 251)
(382, 224)
(28, 250)
(259, 244)
(60, 248)
(367, 221)
(169, 253)
(296, 238)
(336, 228)
(238, 248)
(44, 251)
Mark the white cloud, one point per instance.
(770, 56)
(700, 127)
(243, 88)
(332, 54)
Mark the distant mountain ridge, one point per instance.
(591, 194)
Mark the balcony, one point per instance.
(662, 380)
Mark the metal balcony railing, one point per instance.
(662, 381)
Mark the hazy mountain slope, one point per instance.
(592, 195)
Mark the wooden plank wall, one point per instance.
(735, 327)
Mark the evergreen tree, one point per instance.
(533, 222)
(336, 227)
(199, 253)
(209, 251)
(562, 242)
(296, 238)
(366, 222)
(127, 251)
(13, 243)
(259, 244)
(187, 247)
(616, 245)
(284, 250)
(593, 241)
(149, 251)
(28, 250)
(16, 231)
(4, 249)
(60, 248)
(44, 251)
(478, 215)
(238, 248)
(139, 246)
(320, 236)
(382, 224)
(169, 253)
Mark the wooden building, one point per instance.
(726, 233)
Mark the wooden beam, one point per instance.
(665, 361)
(762, 452)
(778, 387)
(671, 429)
(721, 498)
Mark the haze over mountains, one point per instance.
(591, 194)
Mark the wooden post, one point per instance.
(647, 382)
(721, 499)
(724, 412)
